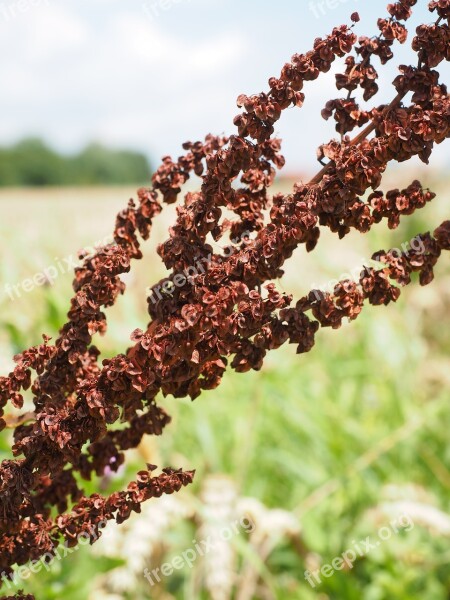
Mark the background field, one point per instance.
(320, 449)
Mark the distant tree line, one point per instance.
(31, 162)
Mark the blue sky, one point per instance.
(150, 74)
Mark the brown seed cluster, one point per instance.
(88, 411)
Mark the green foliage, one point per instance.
(97, 165)
(32, 163)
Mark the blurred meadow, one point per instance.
(319, 451)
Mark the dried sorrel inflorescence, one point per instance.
(220, 313)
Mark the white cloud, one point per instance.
(123, 79)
